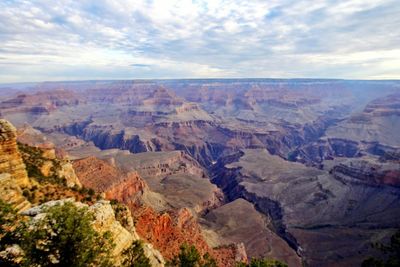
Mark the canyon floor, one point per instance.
(304, 171)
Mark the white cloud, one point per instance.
(221, 38)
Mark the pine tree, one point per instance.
(65, 237)
(134, 256)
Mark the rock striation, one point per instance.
(11, 192)
(104, 178)
(352, 202)
(367, 171)
(10, 158)
(169, 230)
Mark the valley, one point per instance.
(304, 171)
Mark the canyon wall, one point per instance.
(10, 158)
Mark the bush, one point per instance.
(392, 254)
(9, 225)
(134, 256)
(189, 256)
(8, 218)
(262, 263)
(266, 263)
(65, 237)
(91, 192)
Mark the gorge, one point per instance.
(306, 171)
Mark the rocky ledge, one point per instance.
(10, 158)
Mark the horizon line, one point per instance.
(196, 79)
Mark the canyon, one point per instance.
(305, 171)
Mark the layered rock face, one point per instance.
(11, 193)
(168, 231)
(10, 158)
(369, 172)
(176, 176)
(103, 177)
(351, 203)
(42, 102)
(378, 122)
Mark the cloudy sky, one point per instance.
(122, 39)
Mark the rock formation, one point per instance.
(166, 231)
(367, 171)
(307, 206)
(10, 158)
(103, 177)
(11, 192)
(105, 221)
(318, 159)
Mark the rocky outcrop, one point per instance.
(369, 172)
(106, 137)
(164, 163)
(168, 231)
(105, 178)
(10, 158)
(105, 221)
(11, 192)
(314, 153)
(40, 103)
(43, 165)
(231, 255)
(67, 171)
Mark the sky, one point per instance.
(43, 40)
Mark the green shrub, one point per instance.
(189, 256)
(65, 237)
(262, 263)
(8, 218)
(391, 254)
(134, 256)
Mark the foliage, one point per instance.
(134, 256)
(189, 256)
(392, 253)
(10, 224)
(122, 214)
(266, 263)
(8, 218)
(33, 159)
(65, 237)
(208, 261)
(262, 263)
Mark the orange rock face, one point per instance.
(230, 255)
(103, 177)
(166, 231)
